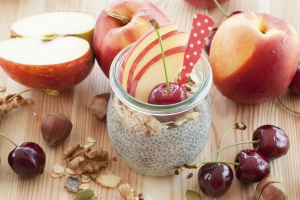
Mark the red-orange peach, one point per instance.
(254, 57)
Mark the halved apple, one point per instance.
(153, 74)
(143, 44)
(51, 24)
(50, 50)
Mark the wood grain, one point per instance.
(22, 125)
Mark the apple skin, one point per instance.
(55, 77)
(205, 3)
(111, 36)
(254, 57)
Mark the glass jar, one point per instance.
(148, 145)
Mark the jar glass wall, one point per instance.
(154, 139)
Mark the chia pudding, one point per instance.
(157, 152)
(142, 137)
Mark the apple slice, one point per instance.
(170, 40)
(152, 73)
(55, 23)
(142, 44)
(50, 50)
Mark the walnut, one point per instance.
(85, 160)
(130, 194)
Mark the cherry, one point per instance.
(235, 13)
(209, 40)
(215, 179)
(27, 160)
(253, 166)
(295, 84)
(160, 96)
(273, 141)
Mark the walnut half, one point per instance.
(85, 160)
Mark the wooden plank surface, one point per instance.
(23, 125)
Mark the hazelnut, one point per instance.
(99, 105)
(55, 128)
(270, 188)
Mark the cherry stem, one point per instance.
(196, 165)
(226, 162)
(155, 24)
(220, 7)
(240, 126)
(51, 92)
(2, 135)
(294, 111)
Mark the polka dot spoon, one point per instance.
(201, 28)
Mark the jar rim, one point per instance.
(158, 110)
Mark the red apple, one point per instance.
(111, 34)
(254, 57)
(205, 3)
(50, 50)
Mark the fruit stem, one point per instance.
(178, 170)
(124, 20)
(155, 24)
(226, 162)
(51, 92)
(294, 111)
(240, 126)
(220, 7)
(1, 134)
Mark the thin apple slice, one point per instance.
(57, 64)
(153, 74)
(140, 45)
(55, 23)
(170, 40)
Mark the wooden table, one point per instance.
(23, 124)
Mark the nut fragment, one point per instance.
(89, 142)
(72, 183)
(85, 179)
(55, 128)
(70, 171)
(130, 194)
(190, 175)
(2, 87)
(270, 188)
(108, 180)
(84, 186)
(99, 105)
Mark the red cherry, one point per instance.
(209, 40)
(253, 166)
(215, 179)
(160, 96)
(235, 13)
(295, 84)
(27, 160)
(273, 141)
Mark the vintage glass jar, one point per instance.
(151, 146)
